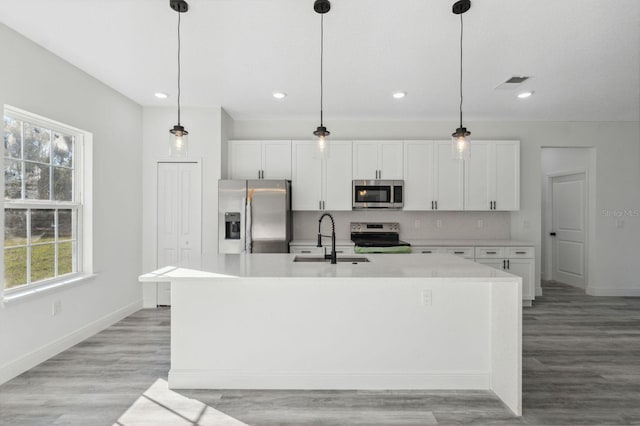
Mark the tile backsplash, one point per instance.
(414, 225)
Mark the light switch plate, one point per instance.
(426, 298)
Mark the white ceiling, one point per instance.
(583, 55)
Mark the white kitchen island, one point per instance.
(400, 321)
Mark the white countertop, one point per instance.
(431, 243)
(283, 266)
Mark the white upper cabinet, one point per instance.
(448, 179)
(432, 179)
(492, 176)
(306, 181)
(377, 160)
(418, 175)
(260, 159)
(321, 184)
(337, 176)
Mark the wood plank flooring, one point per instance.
(581, 367)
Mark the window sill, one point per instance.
(28, 294)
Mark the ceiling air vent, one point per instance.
(512, 83)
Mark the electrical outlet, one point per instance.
(56, 308)
(438, 223)
(480, 223)
(426, 298)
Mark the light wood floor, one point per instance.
(581, 366)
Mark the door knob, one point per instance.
(553, 234)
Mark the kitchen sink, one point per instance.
(318, 259)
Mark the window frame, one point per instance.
(81, 204)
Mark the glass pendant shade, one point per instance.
(178, 141)
(461, 144)
(322, 142)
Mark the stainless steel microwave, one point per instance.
(377, 194)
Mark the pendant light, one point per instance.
(321, 133)
(460, 139)
(178, 140)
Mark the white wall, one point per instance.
(413, 225)
(616, 269)
(567, 160)
(205, 136)
(35, 80)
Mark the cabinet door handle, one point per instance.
(521, 252)
(491, 252)
(427, 251)
(458, 252)
(508, 264)
(436, 205)
(504, 264)
(305, 251)
(323, 205)
(319, 205)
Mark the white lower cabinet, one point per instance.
(518, 261)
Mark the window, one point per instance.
(43, 205)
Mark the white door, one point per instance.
(478, 177)
(418, 175)
(569, 226)
(390, 160)
(246, 159)
(306, 185)
(337, 177)
(179, 218)
(276, 159)
(448, 178)
(507, 175)
(365, 160)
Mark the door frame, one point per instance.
(548, 240)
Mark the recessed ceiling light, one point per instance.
(399, 95)
(524, 95)
(279, 95)
(161, 95)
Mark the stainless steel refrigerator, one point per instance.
(262, 225)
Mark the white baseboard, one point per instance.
(18, 366)
(214, 379)
(619, 291)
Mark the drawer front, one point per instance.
(305, 250)
(490, 252)
(320, 250)
(520, 252)
(466, 252)
(428, 250)
(342, 249)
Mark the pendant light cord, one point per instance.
(179, 66)
(461, 34)
(321, 65)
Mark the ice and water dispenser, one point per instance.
(232, 226)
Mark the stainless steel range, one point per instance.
(385, 236)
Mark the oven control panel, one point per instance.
(377, 227)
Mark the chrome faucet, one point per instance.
(332, 256)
